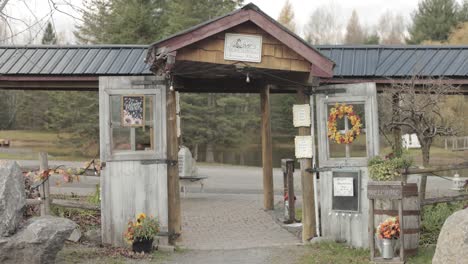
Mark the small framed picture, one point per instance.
(133, 110)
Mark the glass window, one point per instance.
(358, 148)
(131, 138)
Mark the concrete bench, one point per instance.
(191, 180)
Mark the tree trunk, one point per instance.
(397, 149)
(241, 158)
(425, 149)
(209, 153)
(195, 152)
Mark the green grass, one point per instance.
(339, 253)
(74, 253)
(28, 135)
(40, 141)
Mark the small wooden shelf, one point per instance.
(392, 191)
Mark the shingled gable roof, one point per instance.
(321, 65)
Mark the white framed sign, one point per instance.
(243, 47)
(303, 147)
(301, 115)
(343, 186)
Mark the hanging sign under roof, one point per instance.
(243, 47)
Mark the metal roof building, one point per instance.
(69, 67)
(398, 61)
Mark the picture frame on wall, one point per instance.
(133, 111)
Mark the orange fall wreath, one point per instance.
(338, 112)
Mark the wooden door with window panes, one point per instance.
(133, 148)
(343, 167)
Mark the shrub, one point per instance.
(433, 218)
(387, 169)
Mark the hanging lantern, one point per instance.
(457, 183)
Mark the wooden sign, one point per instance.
(133, 110)
(390, 190)
(301, 115)
(343, 186)
(346, 192)
(242, 47)
(303, 147)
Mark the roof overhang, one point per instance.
(321, 66)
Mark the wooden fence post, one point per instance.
(291, 195)
(44, 188)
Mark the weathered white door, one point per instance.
(132, 118)
(344, 176)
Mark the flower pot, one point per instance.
(387, 248)
(142, 245)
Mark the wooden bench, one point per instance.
(4, 142)
(191, 180)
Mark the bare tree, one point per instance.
(355, 34)
(324, 26)
(391, 28)
(417, 108)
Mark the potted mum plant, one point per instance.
(140, 233)
(389, 232)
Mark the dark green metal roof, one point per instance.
(73, 60)
(378, 61)
(351, 61)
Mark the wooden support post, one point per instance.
(44, 188)
(402, 230)
(307, 182)
(173, 191)
(291, 202)
(371, 229)
(267, 149)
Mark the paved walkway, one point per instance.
(270, 255)
(229, 221)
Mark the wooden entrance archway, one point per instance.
(274, 60)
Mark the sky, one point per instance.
(31, 11)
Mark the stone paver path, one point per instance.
(229, 221)
(270, 255)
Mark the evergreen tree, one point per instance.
(49, 35)
(286, 16)
(372, 39)
(433, 20)
(183, 14)
(122, 21)
(95, 17)
(354, 32)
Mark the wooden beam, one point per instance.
(267, 149)
(44, 188)
(173, 191)
(307, 182)
(76, 204)
(445, 199)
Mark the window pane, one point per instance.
(359, 147)
(337, 150)
(121, 139)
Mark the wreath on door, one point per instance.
(338, 112)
